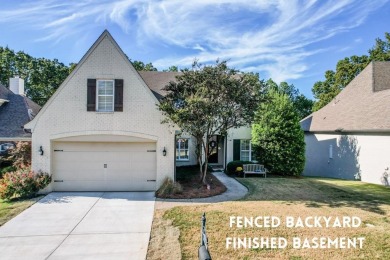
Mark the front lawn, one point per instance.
(298, 198)
(9, 209)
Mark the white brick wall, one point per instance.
(66, 112)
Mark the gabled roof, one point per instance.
(362, 106)
(14, 114)
(157, 80)
(103, 36)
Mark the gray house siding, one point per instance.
(361, 156)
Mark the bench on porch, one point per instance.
(254, 169)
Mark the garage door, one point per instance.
(91, 166)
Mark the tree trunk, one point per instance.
(199, 155)
(206, 161)
(205, 172)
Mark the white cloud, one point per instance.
(273, 37)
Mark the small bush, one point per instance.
(21, 155)
(169, 188)
(6, 169)
(232, 166)
(22, 183)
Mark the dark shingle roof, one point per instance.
(156, 80)
(363, 105)
(15, 113)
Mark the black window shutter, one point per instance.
(91, 95)
(236, 149)
(118, 95)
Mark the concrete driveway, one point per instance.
(81, 225)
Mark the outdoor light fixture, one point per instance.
(164, 152)
(40, 150)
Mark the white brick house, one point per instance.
(101, 130)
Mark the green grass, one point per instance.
(312, 188)
(369, 191)
(319, 191)
(9, 209)
(297, 197)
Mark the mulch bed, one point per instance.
(188, 177)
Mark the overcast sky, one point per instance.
(293, 41)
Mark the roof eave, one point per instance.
(346, 131)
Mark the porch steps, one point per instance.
(217, 168)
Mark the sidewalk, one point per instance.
(235, 191)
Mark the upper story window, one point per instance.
(105, 96)
(182, 152)
(246, 150)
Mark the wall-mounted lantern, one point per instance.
(40, 150)
(164, 152)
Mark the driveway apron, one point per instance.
(81, 225)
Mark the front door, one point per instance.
(213, 148)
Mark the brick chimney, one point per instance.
(16, 85)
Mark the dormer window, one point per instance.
(105, 96)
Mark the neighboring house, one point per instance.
(15, 111)
(350, 137)
(101, 130)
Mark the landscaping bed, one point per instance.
(188, 177)
(282, 197)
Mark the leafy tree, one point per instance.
(277, 138)
(42, 76)
(209, 100)
(346, 70)
(172, 69)
(72, 66)
(21, 155)
(45, 78)
(302, 104)
(381, 50)
(140, 66)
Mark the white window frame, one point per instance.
(250, 149)
(97, 95)
(179, 149)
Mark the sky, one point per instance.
(286, 40)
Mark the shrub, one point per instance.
(231, 167)
(277, 137)
(169, 187)
(22, 183)
(6, 169)
(21, 155)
